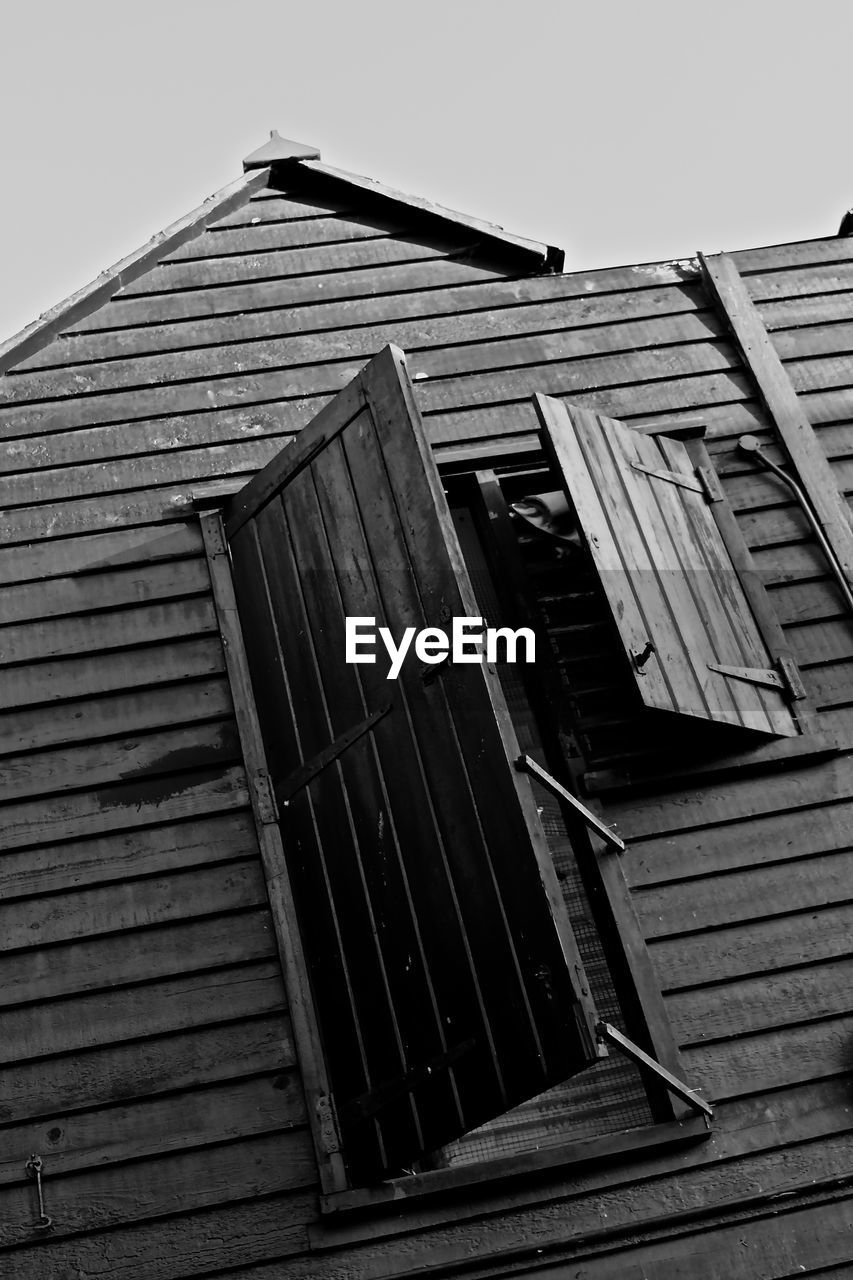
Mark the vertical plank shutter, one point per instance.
(675, 596)
(447, 982)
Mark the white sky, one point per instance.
(623, 132)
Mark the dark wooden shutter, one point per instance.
(673, 591)
(446, 978)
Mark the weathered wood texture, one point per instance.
(147, 1052)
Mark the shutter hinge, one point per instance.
(524, 764)
(790, 673)
(214, 534)
(705, 481)
(785, 678)
(710, 483)
(671, 477)
(605, 1031)
(265, 803)
(327, 1125)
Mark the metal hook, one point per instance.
(33, 1168)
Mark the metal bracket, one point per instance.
(633, 1051)
(790, 673)
(671, 477)
(763, 676)
(711, 484)
(287, 789)
(328, 1125)
(524, 764)
(265, 804)
(786, 678)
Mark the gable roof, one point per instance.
(279, 158)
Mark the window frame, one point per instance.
(674, 1123)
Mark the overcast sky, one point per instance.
(621, 132)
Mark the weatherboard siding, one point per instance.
(147, 1048)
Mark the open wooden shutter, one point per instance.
(676, 598)
(446, 979)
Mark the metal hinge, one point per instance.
(785, 677)
(265, 803)
(705, 481)
(327, 1125)
(524, 764)
(633, 1051)
(214, 534)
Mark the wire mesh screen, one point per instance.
(608, 1097)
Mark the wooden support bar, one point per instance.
(306, 1032)
(636, 1054)
(727, 289)
(525, 765)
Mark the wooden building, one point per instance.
(334, 979)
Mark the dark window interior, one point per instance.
(610, 1096)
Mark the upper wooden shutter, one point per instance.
(446, 979)
(673, 591)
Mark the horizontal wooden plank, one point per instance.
(190, 1245)
(448, 378)
(761, 1004)
(47, 683)
(807, 601)
(782, 942)
(193, 1118)
(114, 715)
(143, 802)
(772, 1059)
(96, 632)
(267, 236)
(133, 1192)
(622, 1214)
(738, 798)
(748, 1125)
(130, 1013)
(123, 760)
(815, 339)
(91, 592)
(161, 308)
(186, 1059)
(490, 306)
(147, 851)
(800, 281)
(132, 904)
(796, 254)
(102, 550)
(178, 467)
(771, 889)
(820, 642)
(832, 685)
(757, 489)
(770, 838)
(122, 959)
(271, 205)
(486, 340)
(817, 308)
(350, 256)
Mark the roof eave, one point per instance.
(535, 255)
(86, 300)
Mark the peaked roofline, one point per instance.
(82, 303)
(301, 157)
(538, 256)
